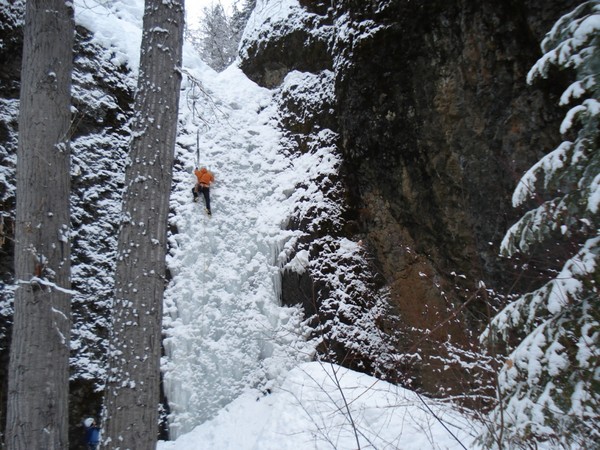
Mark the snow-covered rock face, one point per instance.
(281, 37)
(102, 93)
(432, 124)
(278, 208)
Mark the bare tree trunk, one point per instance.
(131, 413)
(37, 416)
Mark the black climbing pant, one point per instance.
(205, 190)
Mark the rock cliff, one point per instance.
(434, 124)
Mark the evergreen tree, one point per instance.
(550, 384)
(240, 18)
(218, 40)
(218, 36)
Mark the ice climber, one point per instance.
(92, 434)
(205, 178)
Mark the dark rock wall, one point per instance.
(436, 124)
(450, 124)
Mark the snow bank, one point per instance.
(116, 25)
(323, 406)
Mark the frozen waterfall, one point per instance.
(225, 331)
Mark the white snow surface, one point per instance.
(236, 368)
(324, 406)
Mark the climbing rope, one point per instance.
(197, 147)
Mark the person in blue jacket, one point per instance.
(92, 434)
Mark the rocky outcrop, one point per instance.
(290, 42)
(435, 125)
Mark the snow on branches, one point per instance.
(548, 387)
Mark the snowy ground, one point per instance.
(322, 406)
(235, 366)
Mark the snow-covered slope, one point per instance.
(324, 406)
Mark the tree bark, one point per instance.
(37, 416)
(131, 413)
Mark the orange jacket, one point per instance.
(204, 176)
